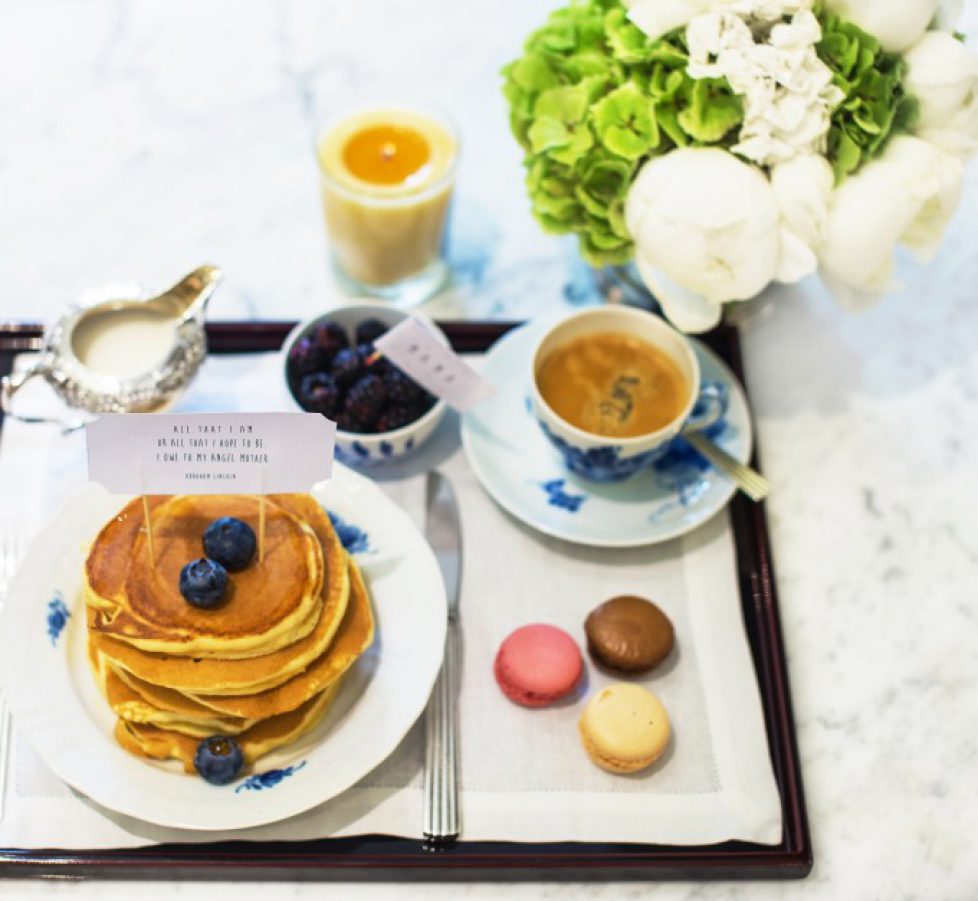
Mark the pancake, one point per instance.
(162, 744)
(181, 714)
(209, 676)
(355, 634)
(269, 605)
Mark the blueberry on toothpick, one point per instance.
(230, 542)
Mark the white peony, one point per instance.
(896, 24)
(803, 188)
(907, 196)
(706, 231)
(943, 75)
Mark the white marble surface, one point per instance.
(137, 140)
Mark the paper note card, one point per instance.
(210, 453)
(413, 347)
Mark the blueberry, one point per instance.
(230, 542)
(202, 582)
(369, 330)
(219, 759)
(319, 393)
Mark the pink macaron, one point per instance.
(537, 665)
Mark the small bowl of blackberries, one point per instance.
(332, 368)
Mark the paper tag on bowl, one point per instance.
(413, 347)
(210, 453)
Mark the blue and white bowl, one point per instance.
(598, 457)
(368, 449)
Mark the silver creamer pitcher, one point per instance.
(114, 351)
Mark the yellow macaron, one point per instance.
(624, 728)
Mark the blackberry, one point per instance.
(366, 399)
(331, 338)
(369, 330)
(306, 356)
(319, 393)
(347, 366)
(401, 388)
(395, 417)
(347, 422)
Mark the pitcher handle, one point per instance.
(11, 384)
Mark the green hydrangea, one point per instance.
(875, 107)
(591, 99)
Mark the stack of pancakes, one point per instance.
(262, 666)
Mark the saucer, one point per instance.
(524, 474)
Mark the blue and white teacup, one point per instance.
(599, 457)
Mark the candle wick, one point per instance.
(388, 150)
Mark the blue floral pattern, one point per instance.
(600, 464)
(352, 537)
(57, 617)
(558, 496)
(269, 779)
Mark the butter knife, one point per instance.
(444, 534)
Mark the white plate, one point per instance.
(58, 708)
(523, 472)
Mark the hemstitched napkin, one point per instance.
(525, 776)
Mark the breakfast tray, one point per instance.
(388, 858)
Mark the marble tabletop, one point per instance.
(138, 140)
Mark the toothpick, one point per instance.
(149, 531)
(261, 528)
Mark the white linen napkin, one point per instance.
(524, 774)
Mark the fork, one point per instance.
(11, 550)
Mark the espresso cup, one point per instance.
(610, 459)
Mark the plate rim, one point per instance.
(724, 497)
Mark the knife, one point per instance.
(444, 534)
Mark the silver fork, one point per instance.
(11, 550)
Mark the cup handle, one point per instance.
(710, 407)
(11, 384)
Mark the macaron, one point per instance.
(629, 634)
(624, 728)
(537, 665)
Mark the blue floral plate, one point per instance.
(523, 472)
(59, 709)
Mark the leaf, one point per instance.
(847, 156)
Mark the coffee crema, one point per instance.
(612, 384)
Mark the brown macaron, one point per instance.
(629, 634)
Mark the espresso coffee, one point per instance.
(613, 385)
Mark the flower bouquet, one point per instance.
(726, 144)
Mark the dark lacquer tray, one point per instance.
(382, 857)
